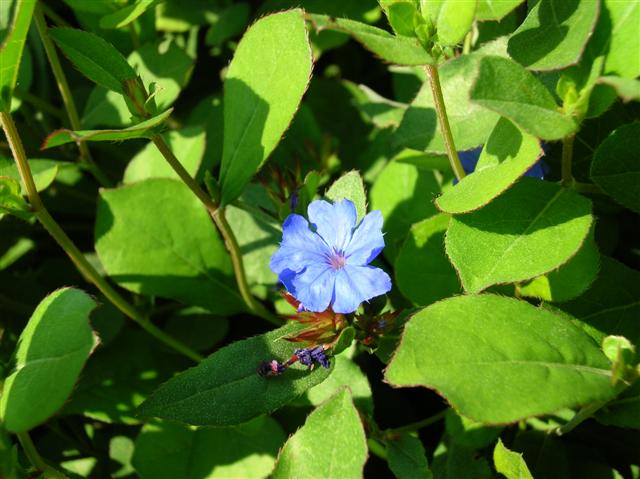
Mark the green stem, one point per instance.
(567, 157)
(217, 214)
(468, 39)
(35, 459)
(581, 416)
(588, 188)
(76, 256)
(445, 128)
(377, 448)
(57, 19)
(415, 426)
(67, 98)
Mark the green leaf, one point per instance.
(507, 155)
(121, 450)
(175, 252)
(197, 329)
(490, 356)
(401, 14)
(43, 171)
(569, 281)
(330, 444)
(188, 144)
(621, 37)
(389, 48)
(554, 34)
(406, 458)
(11, 50)
(96, 58)
(258, 236)
(615, 167)
(351, 187)
(170, 451)
(423, 271)
(454, 20)
(611, 305)
(124, 16)
(225, 389)
(403, 193)
(473, 435)
(10, 197)
(495, 9)
(120, 376)
(144, 129)
(623, 411)
(541, 226)
(51, 352)
(168, 66)
(627, 88)
(530, 106)
(345, 373)
(471, 124)
(263, 87)
(453, 461)
(510, 464)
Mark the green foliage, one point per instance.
(489, 356)
(406, 457)
(330, 444)
(349, 186)
(225, 389)
(495, 10)
(144, 129)
(530, 106)
(615, 169)
(169, 450)
(509, 463)
(263, 87)
(542, 226)
(175, 252)
(554, 34)
(96, 58)
(52, 350)
(507, 155)
(12, 48)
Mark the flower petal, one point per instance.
(313, 287)
(334, 222)
(300, 247)
(355, 284)
(367, 241)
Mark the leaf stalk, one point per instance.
(443, 120)
(76, 256)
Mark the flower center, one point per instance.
(337, 260)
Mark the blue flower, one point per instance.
(326, 263)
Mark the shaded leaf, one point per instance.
(225, 389)
(423, 271)
(96, 58)
(529, 230)
(406, 458)
(51, 352)
(495, 9)
(168, 450)
(43, 172)
(176, 252)
(554, 34)
(507, 88)
(490, 356)
(615, 166)
(126, 15)
(627, 88)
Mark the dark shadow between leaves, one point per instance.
(417, 128)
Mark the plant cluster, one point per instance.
(320, 239)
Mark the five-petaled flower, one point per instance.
(326, 263)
